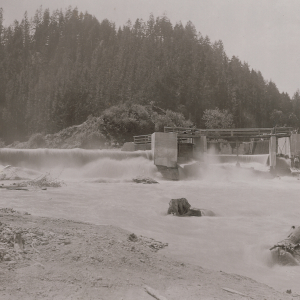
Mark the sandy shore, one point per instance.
(62, 259)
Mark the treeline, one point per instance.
(59, 68)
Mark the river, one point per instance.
(253, 210)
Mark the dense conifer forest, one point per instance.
(61, 67)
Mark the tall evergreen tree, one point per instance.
(58, 68)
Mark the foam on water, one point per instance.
(49, 158)
(109, 170)
(226, 158)
(225, 172)
(95, 165)
(252, 216)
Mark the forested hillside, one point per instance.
(59, 68)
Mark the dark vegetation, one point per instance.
(115, 126)
(62, 69)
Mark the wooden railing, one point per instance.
(231, 133)
(142, 139)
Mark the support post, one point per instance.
(272, 153)
(237, 154)
(295, 144)
(203, 144)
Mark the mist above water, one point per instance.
(110, 170)
(49, 158)
(226, 168)
(117, 166)
(96, 165)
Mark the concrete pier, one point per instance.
(295, 144)
(272, 152)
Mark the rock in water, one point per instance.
(181, 207)
(287, 251)
(193, 212)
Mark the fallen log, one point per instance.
(152, 292)
(287, 251)
(11, 187)
(145, 180)
(234, 292)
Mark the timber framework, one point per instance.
(234, 133)
(178, 144)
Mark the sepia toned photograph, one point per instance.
(149, 149)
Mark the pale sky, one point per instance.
(263, 33)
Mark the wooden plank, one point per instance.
(142, 139)
(265, 136)
(256, 130)
(232, 133)
(152, 292)
(12, 187)
(234, 292)
(140, 136)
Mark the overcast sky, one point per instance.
(264, 33)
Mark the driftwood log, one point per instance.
(287, 251)
(145, 180)
(13, 187)
(181, 207)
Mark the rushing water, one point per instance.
(253, 210)
(47, 158)
(260, 158)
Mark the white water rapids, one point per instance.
(253, 210)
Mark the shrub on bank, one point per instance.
(37, 140)
(169, 119)
(120, 123)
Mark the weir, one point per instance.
(275, 147)
(257, 158)
(176, 146)
(49, 158)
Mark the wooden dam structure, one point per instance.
(178, 145)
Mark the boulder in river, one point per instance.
(181, 207)
(287, 251)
